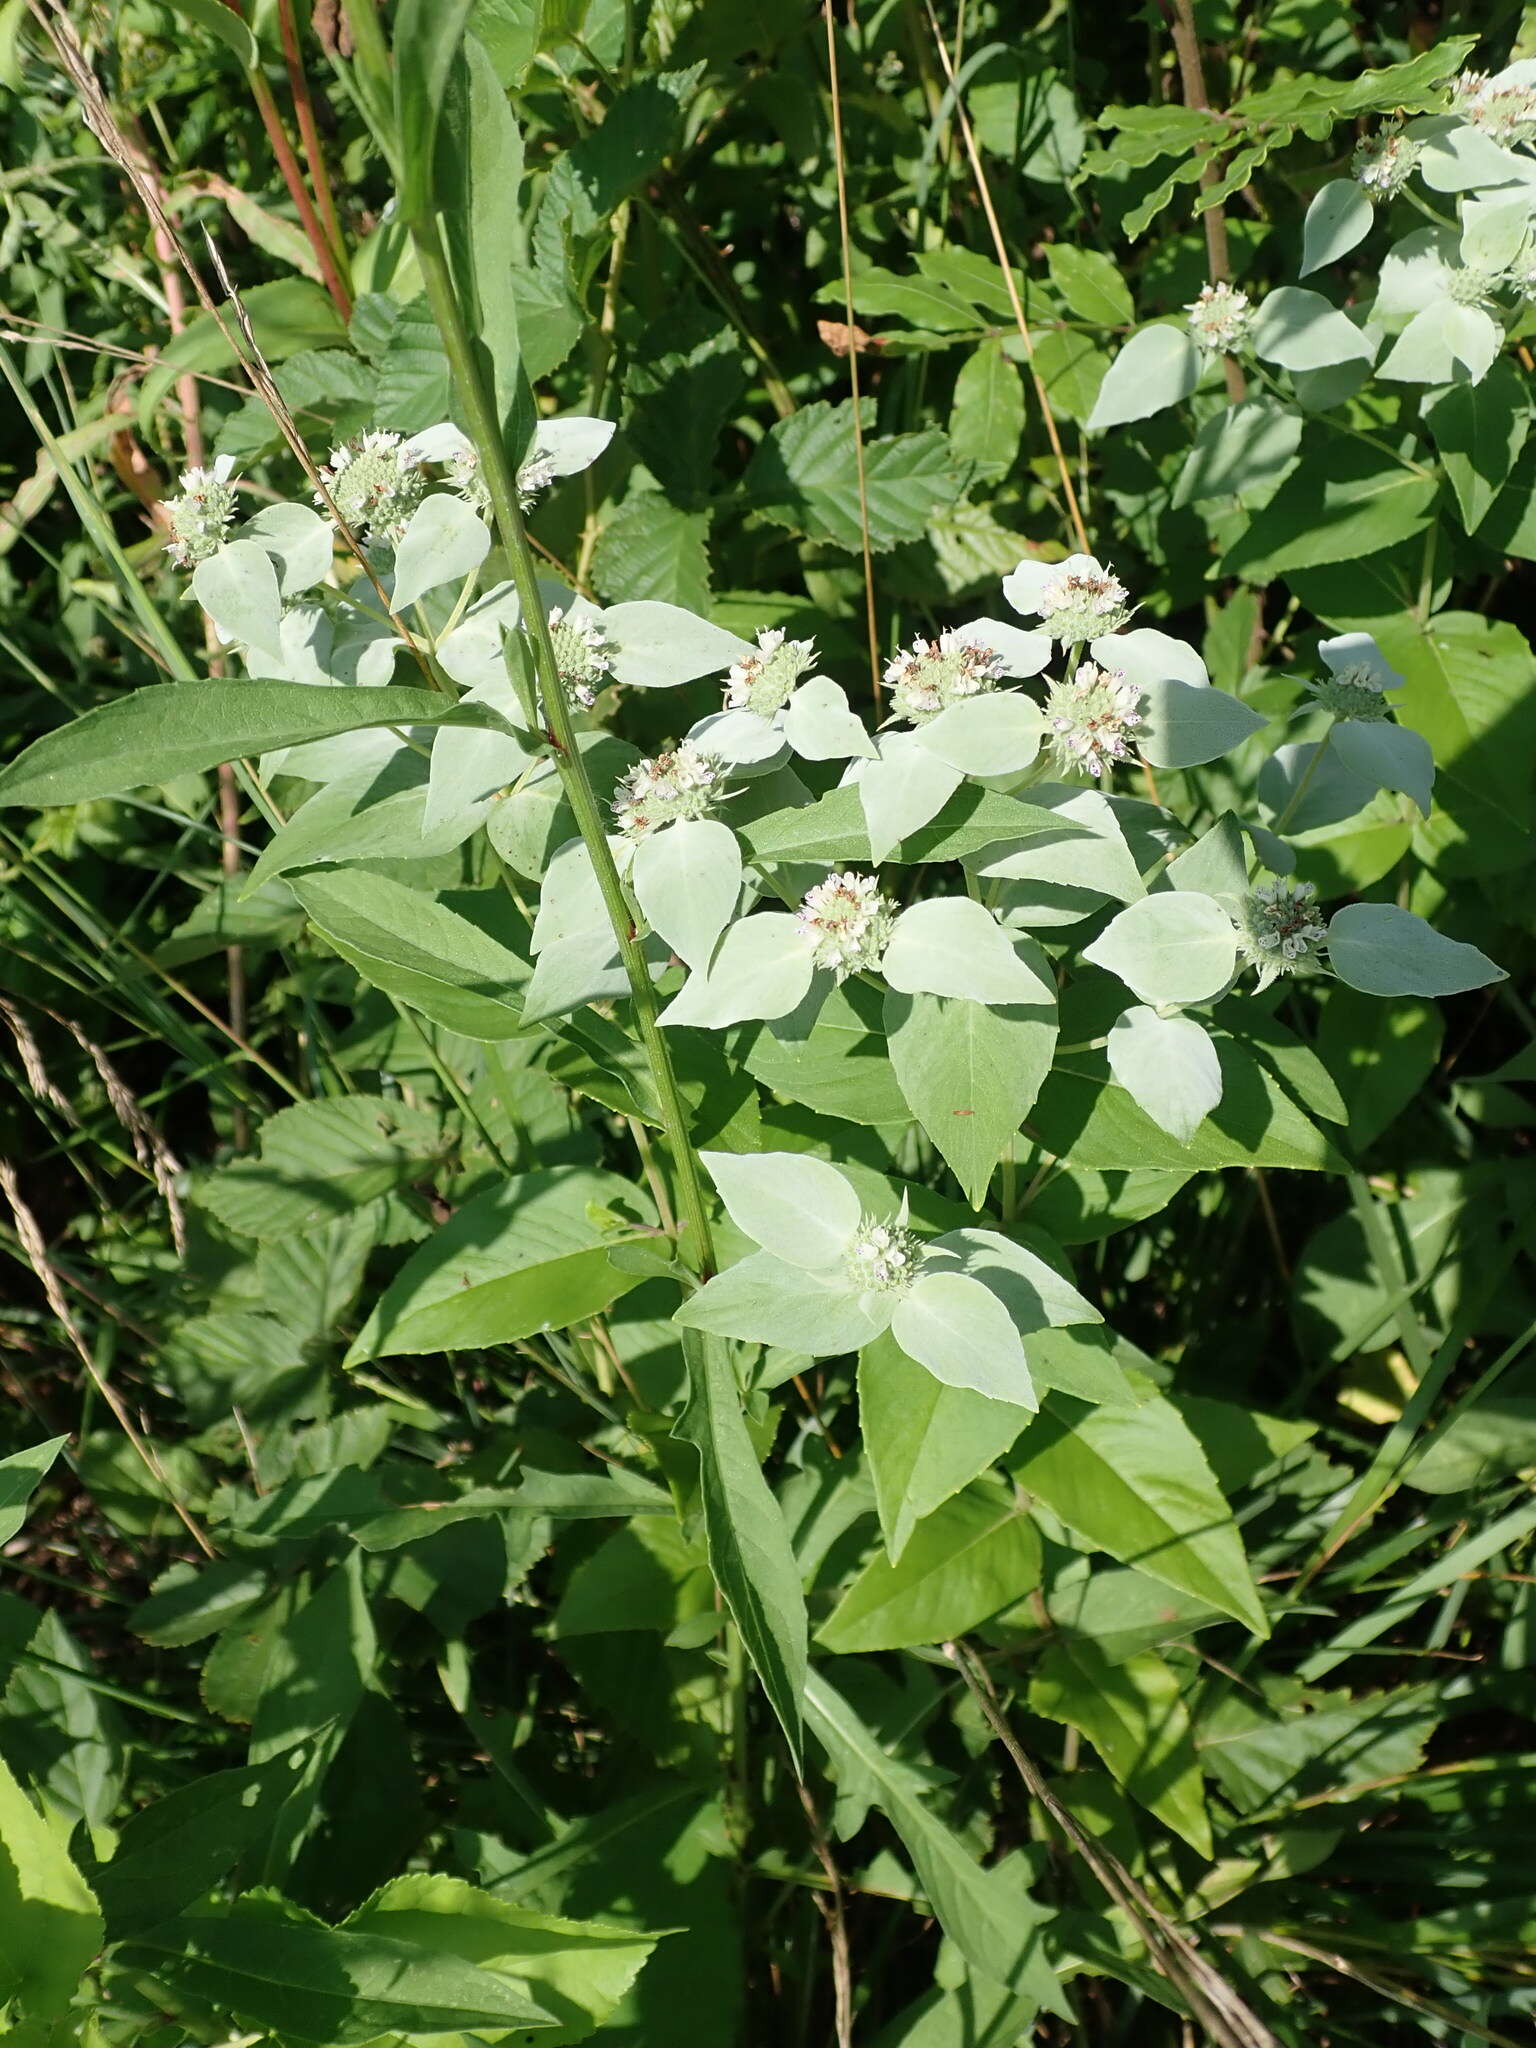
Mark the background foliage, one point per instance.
(363, 1688)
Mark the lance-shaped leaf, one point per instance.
(1169, 1066)
(687, 879)
(952, 946)
(1390, 952)
(761, 969)
(978, 1553)
(1173, 947)
(52, 1925)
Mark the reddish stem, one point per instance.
(309, 133)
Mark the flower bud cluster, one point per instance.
(375, 483)
(200, 517)
(930, 675)
(884, 1257)
(1278, 929)
(682, 783)
(1384, 163)
(1093, 717)
(1220, 319)
(762, 681)
(1356, 692)
(583, 654)
(847, 922)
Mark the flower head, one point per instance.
(762, 681)
(583, 653)
(1384, 163)
(883, 1258)
(847, 923)
(1078, 599)
(375, 482)
(536, 474)
(1359, 679)
(1093, 717)
(682, 783)
(1220, 318)
(930, 675)
(200, 516)
(1503, 106)
(1278, 930)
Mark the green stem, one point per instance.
(501, 482)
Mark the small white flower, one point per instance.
(682, 783)
(1384, 163)
(847, 922)
(467, 479)
(762, 682)
(1278, 930)
(1078, 599)
(1359, 679)
(1220, 319)
(884, 1258)
(375, 482)
(1093, 717)
(930, 675)
(1503, 106)
(200, 517)
(583, 653)
(536, 474)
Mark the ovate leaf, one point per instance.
(971, 1557)
(1156, 368)
(1389, 952)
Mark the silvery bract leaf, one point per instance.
(739, 738)
(1442, 344)
(1494, 232)
(584, 968)
(1156, 368)
(687, 879)
(1391, 756)
(820, 727)
(1144, 654)
(901, 789)
(762, 1300)
(1338, 220)
(657, 646)
(1390, 952)
(1415, 272)
(570, 443)
(1174, 947)
(238, 590)
(472, 653)
(1089, 856)
(1460, 158)
(1168, 1066)
(1216, 865)
(1184, 726)
(791, 1203)
(963, 1335)
(1333, 791)
(1034, 1293)
(444, 543)
(469, 766)
(950, 946)
(1022, 654)
(440, 443)
(761, 970)
(301, 544)
(995, 734)
(571, 899)
(1299, 330)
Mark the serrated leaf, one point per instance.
(804, 476)
(972, 1556)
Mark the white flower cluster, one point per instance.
(1384, 163)
(1093, 717)
(930, 675)
(375, 482)
(468, 479)
(1081, 601)
(884, 1257)
(199, 518)
(762, 682)
(1503, 107)
(583, 654)
(1278, 930)
(1220, 319)
(682, 783)
(847, 923)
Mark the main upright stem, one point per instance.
(501, 482)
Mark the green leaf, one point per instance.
(954, 946)
(20, 1474)
(986, 420)
(994, 1927)
(172, 729)
(1134, 1716)
(1169, 1066)
(1133, 1480)
(1091, 283)
(480, 199)
(833, 828)
(173, 1852)
(650, 549)
(924, 1441)
(1389, 952)
(804, 476)
(51, 1922)
(1479, 431)
(528, 1255)
(973, 1555)
(1338, 220)
(443, 543)
(288, 316)
(426, 39)
(1242, 448)
(321, 1160)
(964, 1334)
(329, 1985)
(970, 1075)
(687, 880)
(1173, 947)
(1188, 724)
(223, 26)
(750, 1552)
(1345, 500)
(841, 1068)
(1299, 330)
(1157, 368)
(417, 948)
